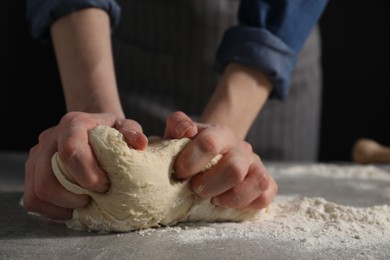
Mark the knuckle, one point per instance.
(33, 150)
(71, 117)
(208, 144)
(44, 136)
(264, 199)
(90, 179)
(249, 148)
(237, 166)
(245, 146)
(256, 158)
(42, 190)
(68, 152)
(236, 172)
(92, 182)
(264, 181)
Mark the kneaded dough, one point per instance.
(142, 192)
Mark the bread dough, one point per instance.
(142, 193)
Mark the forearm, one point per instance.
(82, 44)
(238, 98)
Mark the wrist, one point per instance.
(238, 98)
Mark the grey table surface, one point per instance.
(23, 236)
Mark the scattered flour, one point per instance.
(311, 223)
(364, 172)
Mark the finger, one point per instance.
(75, 152)
(132, 131)
(179, 125)
(46, 186)
(256, 183)
(230, 170)
(31, 203)
(87, 120)
(211, 141)
(246, 147)
(266, 198)
(207, 144)
(79, 160)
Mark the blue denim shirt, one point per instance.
(269, 35)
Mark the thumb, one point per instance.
(132, 131)
(179, 125)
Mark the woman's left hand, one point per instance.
(238, 180)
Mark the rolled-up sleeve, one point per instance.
(269, 35)
(40, 14)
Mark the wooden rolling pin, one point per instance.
(366, 151)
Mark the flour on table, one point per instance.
(313, 223)
(328, 170)
(304, 223)
(142, 192)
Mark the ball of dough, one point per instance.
(142, 192)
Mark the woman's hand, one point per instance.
(239, 179)
(43, 194)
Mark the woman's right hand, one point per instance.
(43, 194)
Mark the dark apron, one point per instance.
(165, 61)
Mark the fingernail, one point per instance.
(133, 136)
(134, 139)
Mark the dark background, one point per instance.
(355, 43)
(356, 67)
